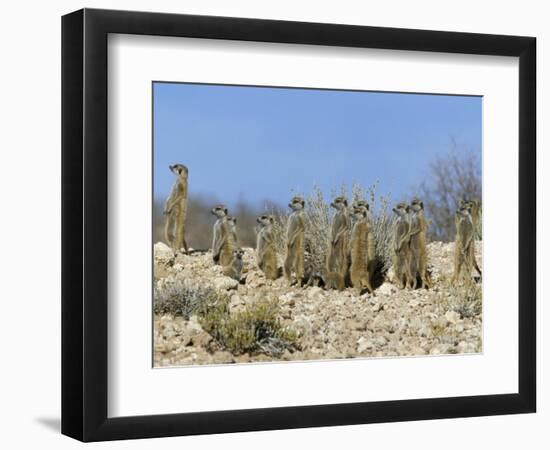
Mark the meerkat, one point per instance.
(175, 209)
(337, 258)
(419, 253)
(235, 268)
(333, 280)
(223, 243)
(325, 279)
(295, 241)
(464, 244)
(266, 255)
(232, 223)
(359, 270)
(401, 247)
(371, 244)
(475, 213)
(361, 203)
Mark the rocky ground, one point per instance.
(329, 324)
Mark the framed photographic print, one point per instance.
(272, 224)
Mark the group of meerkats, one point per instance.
(351, 250)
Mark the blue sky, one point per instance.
(257, 144)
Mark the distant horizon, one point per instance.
(258, 144)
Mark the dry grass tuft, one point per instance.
(184, 298)
(466, 299)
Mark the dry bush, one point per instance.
(451, 178)
(256, 329)
(184, 298)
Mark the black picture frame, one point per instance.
(84, 224)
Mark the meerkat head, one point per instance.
(401, 209)
(339, 203)
(464, 212)
(297, 204)
(232, 220)
(179, 169)
(238, 253)
(219, 211)
(416, 205)
(359, 212)
(265, 220)
(464, 203)
(361, 204)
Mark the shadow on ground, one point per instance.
(53, 423)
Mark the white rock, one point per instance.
(377, 307)
(225, 283)
(193, 324)
(315, 293)
(285, 298)
(386, 289)
(452, 317)
(364, 344)
(163, 253)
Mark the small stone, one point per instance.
(452, 317)
(222, 357)
(162, 253)
(377, 307)
(386, 289)
(315, 293)
(201, 339)
(364, 344)
(225, 283)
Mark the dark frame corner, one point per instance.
(84, 224)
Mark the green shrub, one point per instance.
(256, 329)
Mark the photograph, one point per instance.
(294, 224)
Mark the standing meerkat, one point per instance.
(464, 245)
(360, 236)
(235, 268)
(371, 244)
(175, 210)
(337, 258)
(419, 253)
(295, 240)
(232, 224)
(266, 254)
(223, 243)
(401, 247)
(475, 213)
